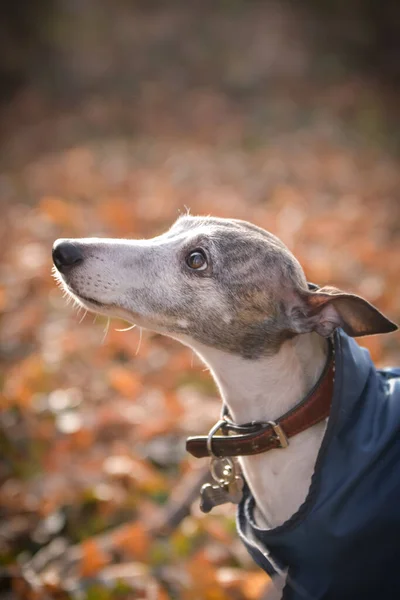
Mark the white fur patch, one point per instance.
(262, 390)
(184, 323)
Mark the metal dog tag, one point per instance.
(229, 487)
(213, 495)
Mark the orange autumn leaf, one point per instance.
(124, 381)
(147, 477)
(174, 406)
(23, 380)
(161, 594)
(82, 439)
(93, 558)
(155, 428)
(230, 578)
(255, 585)
(215, 528)
(133, 539)
(374, 345)
(204, 579)
(117, 213)
(201, 570)
(56, 210)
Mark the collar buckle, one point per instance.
(280, 434)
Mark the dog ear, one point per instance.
(328, 308)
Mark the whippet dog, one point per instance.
(238, 297)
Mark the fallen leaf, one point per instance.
(93, 558)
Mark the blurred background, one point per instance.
(116, 116)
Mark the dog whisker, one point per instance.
(140, 341)
(107, 327)
(83, 316)
(126, 328)
(77, 305)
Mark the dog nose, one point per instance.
(66, 254)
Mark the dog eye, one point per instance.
(197, 260)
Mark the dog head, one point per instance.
(221, 282)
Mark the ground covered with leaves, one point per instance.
(149, 113)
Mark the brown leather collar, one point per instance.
(258, 437)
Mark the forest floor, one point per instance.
(135, 117)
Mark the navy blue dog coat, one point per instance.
(344, 541)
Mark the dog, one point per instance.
(321, 509)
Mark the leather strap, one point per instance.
(258, 437)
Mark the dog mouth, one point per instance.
(76, 294)
(111, 309)
(86, 299)
(90, 300)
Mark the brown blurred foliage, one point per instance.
(226, 109)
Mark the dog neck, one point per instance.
(263, 390)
